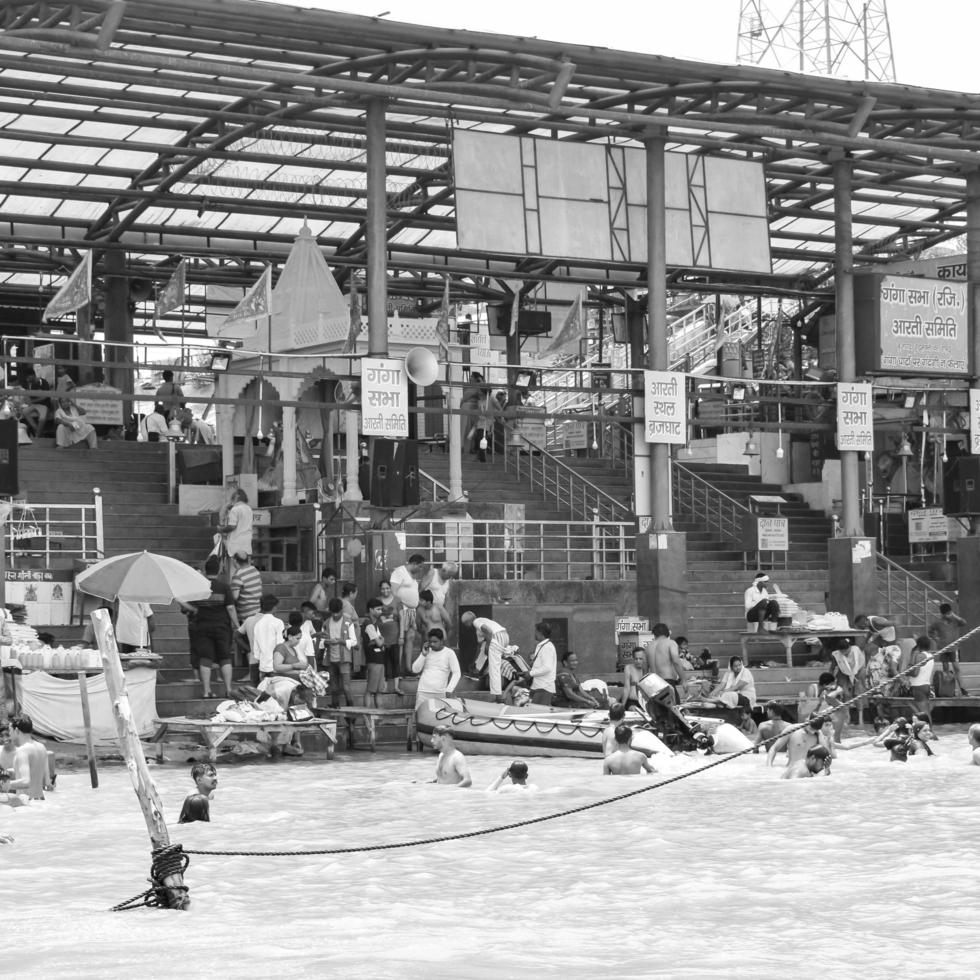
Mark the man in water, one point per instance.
(816, 761)
(774, 725)
(625, 761)
(797, 744)
(514, 777)
(197, 806)
(664, 659)
(30, 760)
(974, 736)
(617, 712)
(451, 769)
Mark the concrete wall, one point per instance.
(590, 608)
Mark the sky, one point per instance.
(933, 43)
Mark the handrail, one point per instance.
(77, 529)
(559, 482)
(436, 486)
(696, 498)
(908, 596)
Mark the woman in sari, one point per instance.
(71, 428)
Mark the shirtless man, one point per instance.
(816, 761)
(974, 736)
(30, 760)
(625, 761)
(430, 615)
(451, 769)
(664, 659)
(796, 744)
(774, 725)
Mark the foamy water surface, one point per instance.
(869, 873)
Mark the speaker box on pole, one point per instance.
(9, 483)
(961, 486)
(394, 472)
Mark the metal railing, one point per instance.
(697, 500)
(45, 535)
(516, 550)
(908, 600)
(430, 488)
(558, 482)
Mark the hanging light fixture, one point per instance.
(905, 449)
(258, 432)
(779, 421)
(751, 447)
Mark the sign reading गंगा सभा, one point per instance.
(384, 398)
(855, 417)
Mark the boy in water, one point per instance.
(197, 806)
(974, 736)
(817, 761)
(514, 777)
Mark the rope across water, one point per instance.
(483, 832)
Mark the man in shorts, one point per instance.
(944, 632)
(210, 622)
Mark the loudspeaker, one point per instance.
(529, 322)
(961, 485)
(394, 472)
(8, 457)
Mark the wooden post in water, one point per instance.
(93, 772)
(132, 750)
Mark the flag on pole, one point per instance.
(356, 324)
(572, 328)
(171, 297)
(442, 324)
(75, 293)
(257, 302)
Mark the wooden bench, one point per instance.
(894, 706)
(370, 718)
(214, 733)
(787, 638)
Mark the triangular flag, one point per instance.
(356, 324)
(75, 293)
(442, 324)
(572, 329)
(257, 302)
(171, 297)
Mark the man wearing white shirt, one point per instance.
(405, 581)
(544, 666)
(134, 626)
(439, 668)
(493, 641)
(266, 634)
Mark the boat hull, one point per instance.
(485, 728)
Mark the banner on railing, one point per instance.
(975, 420)
(384, 398)
(664, 407)
(855, 417)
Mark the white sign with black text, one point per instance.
(384, 398)
(664, 407)
(855, 417)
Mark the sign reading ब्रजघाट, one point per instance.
(384, 398)
(855, 417)
(664, 407)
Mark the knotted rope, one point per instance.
(166, 862)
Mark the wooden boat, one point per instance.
(487, 728)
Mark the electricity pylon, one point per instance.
(844, 38)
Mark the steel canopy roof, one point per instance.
(214, 128)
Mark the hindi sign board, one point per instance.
(914, 326)
(664, 407)
(44, 362)
(576, 435)
(928, 524)
(975, 420)
(631, 633)
(384, 398)
(772, 533)
(855, 417)
(99, 411)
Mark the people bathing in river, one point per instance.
(617, 712)
(816, 762)
(28, 761)
(774, 725)
(513, 778)
(197, 805)
(797, 743)
(624, 761)
(451, 769)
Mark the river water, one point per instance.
(869, 873)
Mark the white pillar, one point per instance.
(455, 422)
(353, 491)
(225, 418)
(288, 455)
